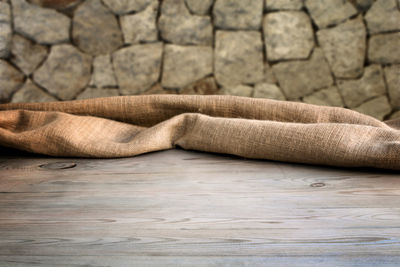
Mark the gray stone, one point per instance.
(392, 75)
(5, 12)
(26, 54)
(103, 73)
(329, 12)
(122, 7)
(268, 90)
(5, 37)
(238, 14)
(269, 76)
(344, 47)
(137, 67)
(363, 5)
(384, 48)
(371, 84)
(157, 89)
(183, 65)
(97, 92)
(199, 7)
(302, 77)
(325, 97)
(395, 115)
(65, 72)
(178, 26)
(238, 58)
(10, 80)
(66, 7)
(283, 4)
(5, 30)
(188, 91)
(205, 86)
(95, 29)
(45, 26)
(378, 108)
(383, 16)
(140, 27)
(31, 93)
(61, 5)
(237, 90)
(288, 35)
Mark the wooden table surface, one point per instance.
(185, 208)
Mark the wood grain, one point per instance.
(184, 208)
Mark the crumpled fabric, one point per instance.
(127, 126)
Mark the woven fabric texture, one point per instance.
(253, 128)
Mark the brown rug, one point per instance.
(249, 127)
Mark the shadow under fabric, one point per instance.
(253, 128)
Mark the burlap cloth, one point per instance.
(248, 127)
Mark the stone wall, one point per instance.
(328, 52)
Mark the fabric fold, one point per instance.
(248, 127)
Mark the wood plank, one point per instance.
(173, 261)
(196, 209)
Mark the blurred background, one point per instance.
(343, 53)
